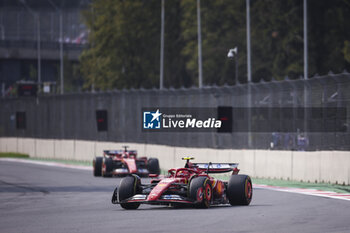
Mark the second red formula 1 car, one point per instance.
(191, 185)
(124, 162)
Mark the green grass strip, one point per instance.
(13, 155)
(63, 161)
(71, 162)
(297, 184)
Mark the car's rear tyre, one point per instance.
(239, 190)
(97, 166)
(201, 191)
(153, 166)
(107, 164)
(129, 186)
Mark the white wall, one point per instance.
(320, 166)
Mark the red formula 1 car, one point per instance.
(191, 185)
(124, 162)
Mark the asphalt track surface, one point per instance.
(36, 198)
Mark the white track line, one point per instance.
(312, 192)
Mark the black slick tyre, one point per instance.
(201, 191)
(153, 166)
(239, 190)
(97, 166)
(129, 186)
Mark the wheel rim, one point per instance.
(248, 189)
(200, 194)
(207, 192)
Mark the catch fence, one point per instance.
(76, 116)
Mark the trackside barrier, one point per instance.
(316, 166)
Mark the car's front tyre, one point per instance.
(129, 186)
(201, 191)
(97, 166)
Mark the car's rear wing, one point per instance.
(113, 152)
(132, 152)
(119, 152)
(216, 167)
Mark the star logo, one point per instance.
(151, 120)
(156, 115)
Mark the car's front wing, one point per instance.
(162, 200)
(125, 171)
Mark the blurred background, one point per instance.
(32, 32)
(78, 57)
(109, 44)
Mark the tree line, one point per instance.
(124, 40)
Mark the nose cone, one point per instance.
(131, 165)
(152, 197)
(159, 189)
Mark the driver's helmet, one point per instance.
(183, 173)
